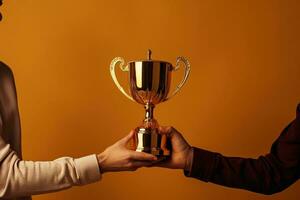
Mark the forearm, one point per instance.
(22, 178)
(264, 175)
(267, 174)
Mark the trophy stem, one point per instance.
(149, 112)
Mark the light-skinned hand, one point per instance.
(118, 157)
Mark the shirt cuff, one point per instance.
(202, 164)
(88, 169)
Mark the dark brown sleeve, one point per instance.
(9, 110)
(267, 174)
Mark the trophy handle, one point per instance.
(113, 64)
(187, 70)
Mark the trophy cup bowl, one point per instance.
(149, 83)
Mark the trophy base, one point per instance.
(149, 140)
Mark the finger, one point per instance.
(137, 164)
(134, 155)
(169, 131)
(164, 164)
(128, 137)
(164, 129)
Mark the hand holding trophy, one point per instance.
(150, 82)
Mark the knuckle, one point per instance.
(130, 165)
(174, 131)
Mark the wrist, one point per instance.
(189, 160)
(101, 158)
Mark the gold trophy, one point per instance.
(149, 82)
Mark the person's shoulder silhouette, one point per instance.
(5, 71)
(7, 90)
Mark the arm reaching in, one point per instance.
(23, 178)
(267, 174)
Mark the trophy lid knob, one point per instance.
(149, 53)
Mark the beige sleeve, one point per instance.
(23, 178)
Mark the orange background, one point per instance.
(243, 89)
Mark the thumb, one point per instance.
(168, 130)
(165, 129)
